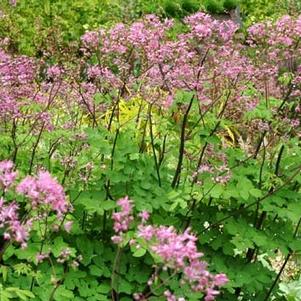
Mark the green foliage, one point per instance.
(13, 293)
(32, 24)
(230, 4)
(214, 6)
(291, 291)
(239, 222)
(259, 10)
(34, 28)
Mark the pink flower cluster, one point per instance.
(16, 71)
(171, 297)
(179, 252)
(90, 39)
(204, 26)
(44, 190)
(16, 77)
(9, 220)
(122, 219)
(64, 255)
(276, 41)
(7, 174)
(171, 64)
(219, 174)
(54, 72)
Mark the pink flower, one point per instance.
(64, 255)
(122, 219)
(144, 215)
(168, 102)
(68, 226)
(54, 72)
(145, 232)
(94, 72)
(41, 256)
(6, 236)
(9, 220)
(220, 279)
(295, 123)
(169, 296)
(179, 252)
(211, 294)
(90, 39)
(44, 190)
(7, 175)
(116, 239)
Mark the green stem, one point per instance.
(114, 279)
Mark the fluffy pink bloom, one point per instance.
(117, 239)
(94, 72)
(9, 220)
(220, 279)
(168, 102)
(7, 175)
(44, 190)
(54, 72)
(68, 226)
(144, 215)
(64, 255)
(122, 219)
(295, 123)
(211, 294)
(90, 39)
(41, 256)
(257, 30)
(146, 232)
(8, 211)
(179, 252)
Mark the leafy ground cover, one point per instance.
(150, 163)
(33, 26)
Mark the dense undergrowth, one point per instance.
(148, 163)
(31, 25)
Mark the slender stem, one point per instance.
(13, 134)
(262, 166)
(41, 248)
(182, 145)
(279, 160)
(162, 153)
(142, 143)
(114, 279)
(53, 291)
(153, 144)
(283, 265)
(35, 149)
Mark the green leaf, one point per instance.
(4, 272)
(244, 186)
(63, 294)
(85, 247)
(255, 192)
(58, 245)
(139, 252)
(125, 287)
(217, 191)
(95, 270)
